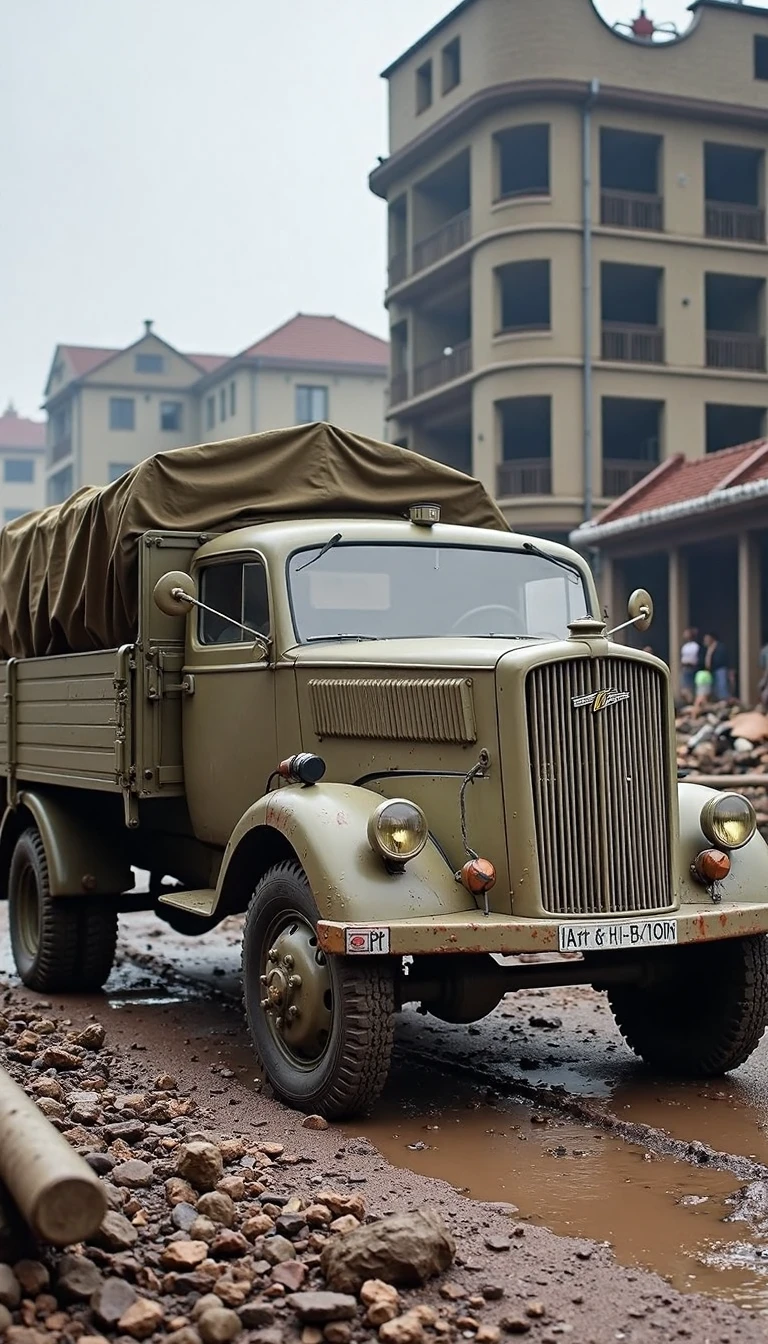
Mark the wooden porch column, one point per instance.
(678, 611)
(749, 617)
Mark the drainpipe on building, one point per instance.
(586, 265)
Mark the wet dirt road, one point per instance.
(540, 1105)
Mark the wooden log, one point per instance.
(60, 1199)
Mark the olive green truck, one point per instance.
(394, 734)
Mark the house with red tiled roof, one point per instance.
(694, 531)
(108, 407)
(22, 465)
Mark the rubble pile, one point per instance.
(207, 1239)
(726, 739)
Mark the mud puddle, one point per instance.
(655, 1213)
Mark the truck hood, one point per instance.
(437, 653)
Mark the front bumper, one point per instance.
(469, 931)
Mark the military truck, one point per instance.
(316, 680)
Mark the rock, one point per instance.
(10, 1288)
(217, 1325)
(317, 1215)
(453, 1292)
(492, 1291)
(346, 1223)
(201, 1164)
(183, 1216)
(314, 1122)
(405, 1248)
(101, 1163)
(133, 1174)
(203, 1229)
(6, 1319)
(178, 1191)
(382, 1301)
(115, 1233)
(62, 1060)
(111, 1300)
(218, 1207)
(141, 1319)
(488, 1334)
(536, 1310)
(290, 1224)
(407, 1329)
(184, 1254)
(33, 1277)
(498, 1243)
(341, 1204)
(277, 1249)
(53, 1110)
(232, 1150)
(515, 1325)
(255, 1314)
(291, 1273)
(78, 1279)
(186, 1335)
(234, 1186)
(92, 1038)
(271, 1149)
(258, 1226)
(228, 1244)
(165, 1082)
(318, 1308)
(337, 1332)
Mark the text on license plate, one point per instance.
(609, 937)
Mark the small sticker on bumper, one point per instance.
(366, 942)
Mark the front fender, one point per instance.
(80, 860)
(747, 881)
(325, 826)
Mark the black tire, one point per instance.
(706, 1012)
(64, 945)
(341, 1064)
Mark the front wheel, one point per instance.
(706, 1011)
(322, 1027)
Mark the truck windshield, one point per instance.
(384, 591)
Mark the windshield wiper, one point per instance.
(328, 639)
(333, 541)
(553, 559)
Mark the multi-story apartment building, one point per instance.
(108, 409)
(22, 465)
(577, 246)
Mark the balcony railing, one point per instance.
(398, 389)
(736, 223)
(736, 350)
(631, 210)
(633, 342)
(398, 266)
(444, 369)
(620, 474)
(443, 241)
(524, 476)
(61, 448)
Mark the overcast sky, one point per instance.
(199, 162)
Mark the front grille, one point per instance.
(600, 783)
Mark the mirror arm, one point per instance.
(263, 640)
(642, 615)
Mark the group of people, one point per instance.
(704, 670)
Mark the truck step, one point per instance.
(194, 902)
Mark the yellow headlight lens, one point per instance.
(728, 820)
(398, 830)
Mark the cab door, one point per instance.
(229, 734)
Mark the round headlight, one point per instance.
(398, 830)
(728, 820)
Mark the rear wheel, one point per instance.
(63, 944)
(704, 1014)
(322, 1027)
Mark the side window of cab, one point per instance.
(236, 591)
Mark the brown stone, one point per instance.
(407, 1329)
(346, 1223)
(178, 1191)
(314, 1122)
(515, 1325)
(277, 1249)
(536, 1310)
(183, 1254)
(201, 1164)
(203, 1303)
(228, 1244)
(338, 1332)
(233, 1186)
(290, 1273)
(115, 1233)
(406, 1248)
(319, 1308)
(165, 1082)
(257, 1226)
(233, 1292)
(217, 1206)
(141, 1319)
(318, 1215)
(340, 1204)
(78, 1278)
(33, 1277)
(92, 1038)
(186, 1334)
(62, 1060)
(382, 1301)
(271, 1149)
(488, 1334)
(110, 1301)
(217, 1325)
(133, 1174)
(202, 1229)
(232, 1150)
(10, 1288)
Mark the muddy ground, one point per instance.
(540, 1106)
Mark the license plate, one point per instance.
(369, 942)
(616, 935)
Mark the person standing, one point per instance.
(689, 663)
(716, 662)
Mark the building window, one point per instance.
(523, 303)
(146, 363)
(311, 404)
(522, 161)
(18, 471)
(525, 431)
(761, 58)
(60, 486)
(170, 415)
(235, 592)
(121, 413)
(232, 398)
(117, 469)
(631, 441)
(10, 515)
(424, 87)
(222, 403)
(210, 412)
(728, 426)
(451, 62)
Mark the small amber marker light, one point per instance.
(712, 865)
(478, 875)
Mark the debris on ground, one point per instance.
(726, 739)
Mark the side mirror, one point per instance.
(640, 609)
(168, 592)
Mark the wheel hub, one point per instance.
(296, 993)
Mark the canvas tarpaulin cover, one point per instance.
(69, 574)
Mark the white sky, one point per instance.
(202, 164)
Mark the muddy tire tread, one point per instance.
(741, 992)
(96, 948)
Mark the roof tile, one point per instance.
(690, 478)
(18, 432)
(316, 339)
